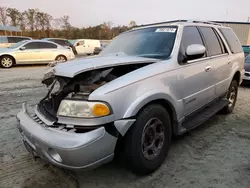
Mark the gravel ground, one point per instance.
(216, 154)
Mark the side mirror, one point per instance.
(22, 48)
(195, 51)
(77, 44)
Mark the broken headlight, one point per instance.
(83, 109)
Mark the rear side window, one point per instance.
(232, 40)
(16, 39)
(47, 45)
(13, 40)
(213, 44)
(3, 40)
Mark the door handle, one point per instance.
(208, 68)
(229, 61)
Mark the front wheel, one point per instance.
(148, 141)
(231, 97)
(6, 62)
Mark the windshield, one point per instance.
(155, 42)
(17, 45)
(248, 58)
(72, 42)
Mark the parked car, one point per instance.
(34, 51)
(150, 83)
(85, 46)
(62, 42)
(247, 68)
(6, 41)
(246, 49)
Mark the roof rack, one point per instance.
(205, 22)
(174, 21)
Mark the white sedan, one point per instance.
(34, 52)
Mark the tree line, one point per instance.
(37, 24)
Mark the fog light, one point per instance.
(54, 155)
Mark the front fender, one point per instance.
(150, 96)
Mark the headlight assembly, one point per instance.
(83, 109)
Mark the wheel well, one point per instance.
(237, 77)
(173, 117)
(62, 55)
(8, 56)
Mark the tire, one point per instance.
(61, 58)
(137, 157)
(6, 62)
(232, 97)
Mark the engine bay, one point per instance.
(79, 87)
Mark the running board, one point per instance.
(200, 117)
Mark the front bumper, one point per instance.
(66, 149)
(246, 76)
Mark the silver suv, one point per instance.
(147, 85)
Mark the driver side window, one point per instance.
(32, 45)
(190, 36)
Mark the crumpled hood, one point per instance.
(77, 66)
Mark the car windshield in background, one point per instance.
(72, 42)
(16, 45)
(155, 42)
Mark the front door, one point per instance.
(48, 52)
(30, 53)
(195, 76)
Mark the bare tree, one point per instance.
(132, 23)
(31, 18)
(13, 14)
(22, 21)
(65, 22)
(3, 16)
(57, 23)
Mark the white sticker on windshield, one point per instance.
(166, 29)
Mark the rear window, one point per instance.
(46, 45)
(232, 40)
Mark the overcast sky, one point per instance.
(93, 12)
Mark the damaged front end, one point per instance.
(51, 134)
(77, 88)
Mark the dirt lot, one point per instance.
(217, 154)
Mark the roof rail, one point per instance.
(173, 21)
(205, 22)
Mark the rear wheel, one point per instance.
(6, 61)
(232, 97)
(60, 59)
(148, 141)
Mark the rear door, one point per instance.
(196, 86)
(48, 51)
(219, 60)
